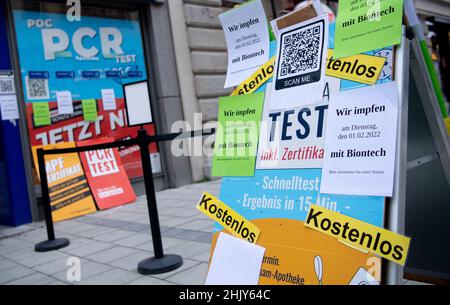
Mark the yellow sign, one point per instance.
(258, 78)
(360, 68)
(359, 234)
(228, 218)
(70, 195)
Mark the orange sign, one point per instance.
(70, 195)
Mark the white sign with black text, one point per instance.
(247, 36)
(292, 137)
(64, 101)
(109, 99)
(9, 108)
(360, 142)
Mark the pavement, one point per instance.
(108, 245)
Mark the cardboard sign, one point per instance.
(367, 25)
(106, 176)
(247, 37)
(360, 68)
(360, 142)
(228, 218)
(359, 234)
(70, 195)
(278, 201)
(300, 67)
(237, 135)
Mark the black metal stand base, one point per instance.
(50, 245)
(164, 264)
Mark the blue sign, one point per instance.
(82, 57)
(289, 194)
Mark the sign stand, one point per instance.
(428, 178)
(52, 243)
(160, 263)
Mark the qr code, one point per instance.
(37, 88)
(6, 86)
(301, 51)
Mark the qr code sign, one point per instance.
(6, 86)
(37, 88)
(301, 51)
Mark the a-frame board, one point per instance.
(420, 205)
(427, 214)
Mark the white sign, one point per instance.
(292, 138)
(137, 101)
(360, 142)
(101, 162)
(299, 75)
(9, 108)
(247, 36)
(64, 100)
(235, 262)
(109, 99)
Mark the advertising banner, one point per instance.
(72, 127)
(81, 58)
(106, 176)
(70, 195)
(277, 202)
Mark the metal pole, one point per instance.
(52, 243)
(150, 193)
(160, 263)
(45, 195)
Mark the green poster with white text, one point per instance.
(366, 25)
(237, 135)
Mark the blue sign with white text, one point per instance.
(82, 57)
(289, 194)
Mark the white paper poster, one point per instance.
(299, 76)
(64, 101)
(247, 36)
(109, 99)
(9, 108)
(360, 142)
(235, 262)
(292, 137)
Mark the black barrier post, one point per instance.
(160, 263)
(52, 243)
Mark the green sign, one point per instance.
(89, 110)
(237, 135)
(41, 114)
(366, 25)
